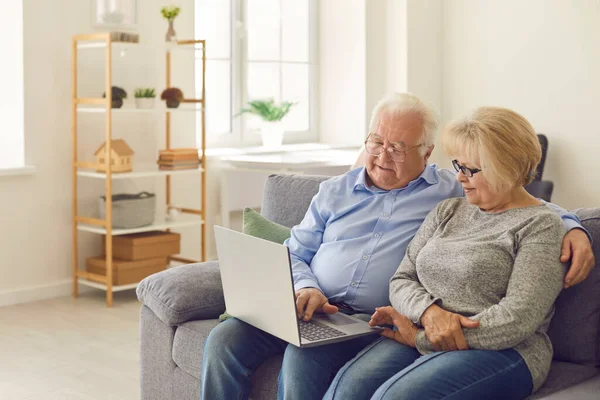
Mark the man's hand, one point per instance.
(406, 332)
(444, 329)
(576, 247)
(309, 300)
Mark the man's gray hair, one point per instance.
(407, 103)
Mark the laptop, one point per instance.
(258, 288)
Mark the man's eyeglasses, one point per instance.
(468, 172)
(375, 147)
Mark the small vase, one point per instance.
(144, 102)
(272, 133)
(173, 103)
(171, 36)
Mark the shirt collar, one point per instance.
(429, 175)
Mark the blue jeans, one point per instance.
(389, 370)
(234, 350)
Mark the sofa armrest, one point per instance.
(184, 293)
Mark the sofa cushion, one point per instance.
(188, 344)
(563, 375)
(258, 226)
(287, 197)
(188, 348)
(184, 293)
(575, 328)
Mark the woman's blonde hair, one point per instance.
(501, 141)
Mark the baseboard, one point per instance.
(39, 292)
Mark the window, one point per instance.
(257, 49)
(12, 143)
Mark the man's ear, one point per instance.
(429, 151)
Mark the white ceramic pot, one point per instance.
(272, 133)
(145, 102)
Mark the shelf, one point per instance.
(102, 286)
(118, 288)
(101, 44)
(109, 53)
(141, 171)
(182, 221)
(132, 109)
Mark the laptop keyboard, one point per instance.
(315, 331)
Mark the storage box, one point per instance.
(126, 272)
(139, 246)
(130, 210)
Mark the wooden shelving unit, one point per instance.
(191, 217)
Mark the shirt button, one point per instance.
(376, 235)
(353, 284)
(385, 214)
(365, 257)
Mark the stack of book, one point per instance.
(176, 159)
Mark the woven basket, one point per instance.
(130, 210)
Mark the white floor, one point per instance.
(69, 348)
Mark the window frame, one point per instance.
(241, 135)
(15, 145)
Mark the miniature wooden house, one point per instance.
(120, 156)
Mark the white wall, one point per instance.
(342, 71)
(35, 240)
(424, 50)
(542, 59)
(403, 50)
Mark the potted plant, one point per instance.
(118, 94)
(170, 13)
(173, 97)
(145, 97)
(271, 115)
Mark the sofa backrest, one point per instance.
(286, 197)
(575, 328)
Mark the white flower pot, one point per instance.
(272, 133)
(145, 102)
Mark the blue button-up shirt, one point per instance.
(354, 236)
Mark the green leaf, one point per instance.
(145, 93)
(170, 12)
(267, 109)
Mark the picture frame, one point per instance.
(114, 14)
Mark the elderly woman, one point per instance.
(489, 260)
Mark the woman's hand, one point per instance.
(406, 332)
(445, 329)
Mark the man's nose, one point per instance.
(385, 155)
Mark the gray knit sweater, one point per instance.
(501, 269)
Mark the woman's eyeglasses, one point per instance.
(468, 172)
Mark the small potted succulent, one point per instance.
(170, 13)
(118, 94)
(271, 114)
(145, 98)
(173, 97)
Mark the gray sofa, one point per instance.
(181, 306)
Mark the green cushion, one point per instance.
(258, 226)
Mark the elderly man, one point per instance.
(347, 248)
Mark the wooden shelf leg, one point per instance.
(108, 180)
(109, 297)
(75, 253)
